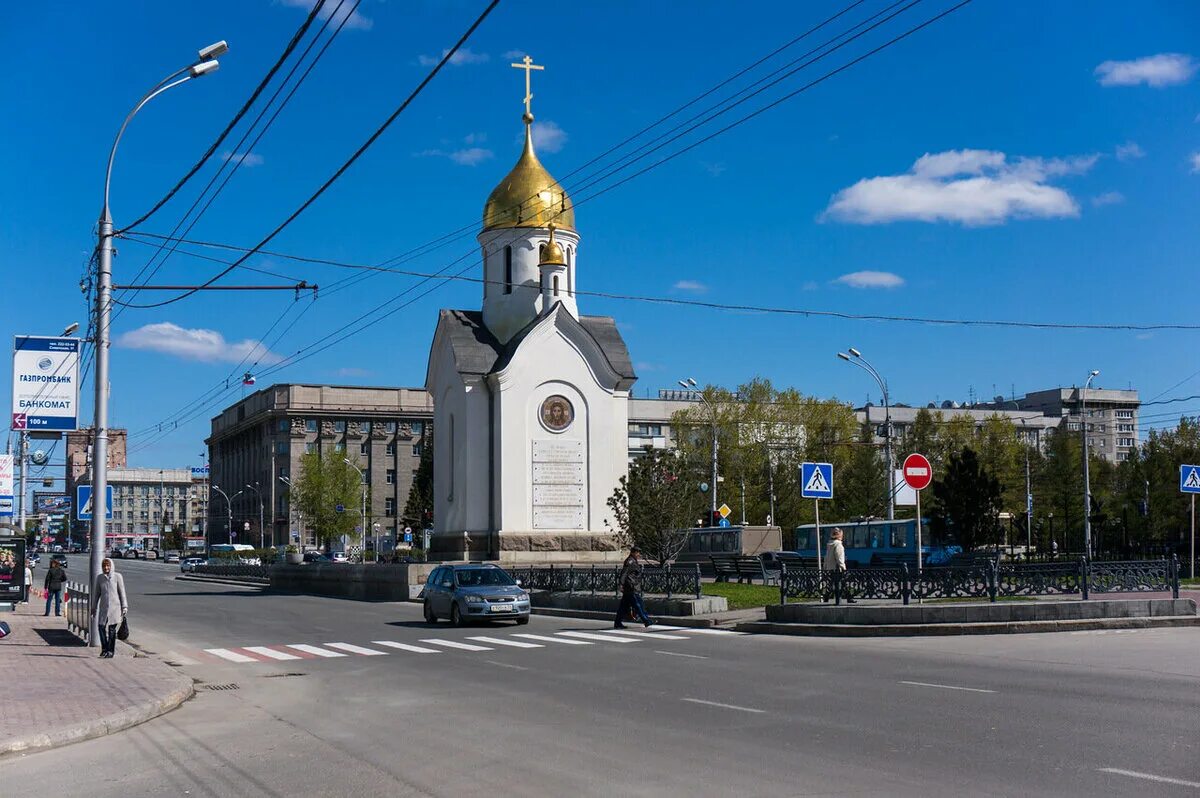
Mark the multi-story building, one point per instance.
(79, 465)
(1112, 416)
(150, 503)
(1033, 428)
(256, 446)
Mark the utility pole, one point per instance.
(22, 458)
(690, 385)
(855, 357)
(1087, 480)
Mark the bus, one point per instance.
(220, 553)
(877, 542)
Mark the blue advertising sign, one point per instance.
(45, 383)
(1189, 479)
(83, 501)
(816, 480)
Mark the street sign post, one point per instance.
(45, 387)
(816, 483)
(1189, 482)
(83, 503)
(918, 473)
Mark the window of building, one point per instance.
(391, 476)
(283, 472)
(339, 448)
(390, 427)
(391, 450)
(366, 476)
(281, 425)
(310, 425)
(339, 426)
(1124, 428)
(416, 450)
(389, 506)
(418, 427)
(281, 447)
(508, 277)
(364, 449)
(364, 427)
(310, 448)
(1125, 442)
(1124, 414)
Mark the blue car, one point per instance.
(468, 592)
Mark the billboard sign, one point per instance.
(200, 473)
(45, 383)
(12, 569)
(6, 485)
(52, 502)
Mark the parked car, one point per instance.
(188, 564)
(338, 556)
(172, 557)
(315, 556)
(467, 592)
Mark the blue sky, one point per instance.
(1025, 161)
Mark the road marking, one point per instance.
(505, 665)
(948, 687)
(270, 652)
(501, 642)
(320, 652)
(1133, 774)
(647, 633)
(453, 644)
(232, 656)
(602, 638)
(677, 654)
(552, 639)
(723, 706)
(353, 649)
(713, 632)
(406, 647)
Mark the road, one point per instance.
(579, 711)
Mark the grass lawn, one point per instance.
(741, 597)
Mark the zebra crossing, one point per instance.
(472, 644)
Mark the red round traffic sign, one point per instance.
(917, 471)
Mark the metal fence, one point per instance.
(671, 581)
(78, 609)
(236, 570)
(987, 579)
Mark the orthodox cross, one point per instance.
(527, 65)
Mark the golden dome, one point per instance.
(528, 196)
(552, 253)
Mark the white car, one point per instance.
(171, 558)
(188, 564)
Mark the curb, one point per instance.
(222, 580)
(689, 621)
(99, 727)
(945, 629)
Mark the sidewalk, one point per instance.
(60, 692)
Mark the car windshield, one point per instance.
(482, 577)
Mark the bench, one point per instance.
(745, 568)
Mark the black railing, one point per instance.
(986, 579)
(78, 609)
(671, 581)
(236, 570)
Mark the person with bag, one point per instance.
(109, 607)
(835, 567)
(55, 581)
(630, 580)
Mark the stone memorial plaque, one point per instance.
(559, 495)
(558, 517)
(558, 473)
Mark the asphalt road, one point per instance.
(684, 713)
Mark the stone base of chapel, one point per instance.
(527, 547)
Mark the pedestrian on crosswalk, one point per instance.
(631, 589)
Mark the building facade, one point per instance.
(256, 445)
(1111, 417)
(78, 466)
(151, 503)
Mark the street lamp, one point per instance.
(300, 525)
(855, 357)
(362, 513)
(1087, 480)
(228, 507)
(690, 385)
(258, 493)
(205, 63)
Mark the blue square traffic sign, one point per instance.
(816, 480)
(1189, 479)
(83, 503)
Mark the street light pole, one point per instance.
(206, 62)
(690, 385)
(1087, 480)
(362, 513)
(857, 359)
(228, 507)
(257, 492)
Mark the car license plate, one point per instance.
(502, 607)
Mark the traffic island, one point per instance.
(64, 693)
(1007, 617)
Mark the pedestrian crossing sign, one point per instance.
(1189, 478)
(816, 480)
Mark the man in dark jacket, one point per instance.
(56, 580)
(631, 589)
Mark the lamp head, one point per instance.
(203, 68)
(855, 352)
(691, 382)
(683, 384)
(213, 51)
(1095, 372)
(72, 327)
(844, 356)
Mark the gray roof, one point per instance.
(476, 350)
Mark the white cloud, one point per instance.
(246, 159)
(513, 55)
(461, 57)
(644, 366)
(548, 136)
(1129, 151)
(467, 156)
(208, 346)
(870, 279)
(356, 21)
(1164, 69)
(971, 187)
(1194, 160)
(714, 169)
(352, 371)
(691, 286)
(1108, 198)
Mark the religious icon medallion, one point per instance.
(557, 413)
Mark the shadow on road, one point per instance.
(58, 637)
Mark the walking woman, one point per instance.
(109, 606)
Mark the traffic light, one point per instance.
(715, 519)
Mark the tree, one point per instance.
(966, 502)
(418, 509)
(655, 506)
(323, 484)
(173, 538)
(861, 489)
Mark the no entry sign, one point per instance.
(917, 471)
